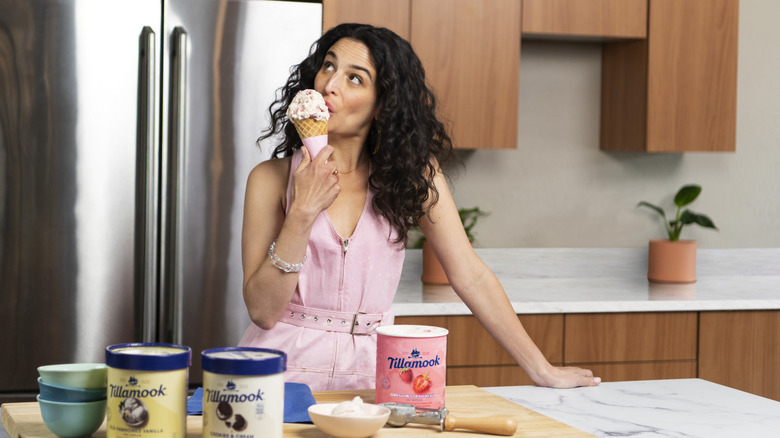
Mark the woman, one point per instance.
(323, 237)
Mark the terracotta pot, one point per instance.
(672, 262)
(433, 273)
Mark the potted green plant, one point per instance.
(673, 260)
(433, 273)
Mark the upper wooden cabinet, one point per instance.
(392, 14)
(601, 19)
(677, 90)
(471, 53)
(669, 67)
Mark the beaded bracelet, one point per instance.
(281, 264)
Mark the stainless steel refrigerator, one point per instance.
(127, 132)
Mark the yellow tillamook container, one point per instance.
(147, 390)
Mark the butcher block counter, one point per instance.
(650, 408)
(23, 420)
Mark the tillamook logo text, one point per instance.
(217, 396)
(121, 392)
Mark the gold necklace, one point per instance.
(339, 172)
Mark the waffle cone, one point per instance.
(311, 128)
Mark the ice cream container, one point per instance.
(147, 390)
(411, 365)
(243, 392)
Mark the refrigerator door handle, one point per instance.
(171, 316)
(147, 192)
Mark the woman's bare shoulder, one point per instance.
(271, 171)
(270, 177)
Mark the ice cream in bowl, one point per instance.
(349, 419)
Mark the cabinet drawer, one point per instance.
(436, 321)
(587, 18)
(625, 337)
(470, 344)
(506, 375)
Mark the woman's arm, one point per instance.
(268, 289)
(479, 288)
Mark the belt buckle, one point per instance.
(355, 324)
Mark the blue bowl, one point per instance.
(75, 375)
(72, 420)
(58, 393)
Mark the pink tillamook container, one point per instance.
(410, 365)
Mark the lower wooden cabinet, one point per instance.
(630, 337)
(475, 358)
(739, 349)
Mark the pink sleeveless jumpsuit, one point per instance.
(344, 292)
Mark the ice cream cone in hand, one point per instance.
(309, 114)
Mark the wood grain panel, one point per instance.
(436, 321)
(471, 53)
(470, 344)
(591, 18)
(624, 337)
(619, 372)
(692, 81)
(507, 375)
(741, 350)
(624, 96)
(392, 14)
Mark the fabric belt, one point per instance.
(332, 321)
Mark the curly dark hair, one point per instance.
(406, 124)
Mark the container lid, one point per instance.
(244, 361)
(412, 331)
(148, 356)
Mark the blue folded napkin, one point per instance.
(297, 399)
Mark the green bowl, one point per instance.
(75, 375)
(69, 395)
(72, 420)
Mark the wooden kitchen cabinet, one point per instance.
(633, 346)
(470, 50)
(471, 53)
(676, 90)
(475, 358)
(600, 19)
(392, 14)
(741, 350)
(630, 337)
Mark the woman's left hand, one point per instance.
(567, 377)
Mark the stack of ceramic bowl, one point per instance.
(73, 398)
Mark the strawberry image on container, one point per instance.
(406, 375)
(421, 383)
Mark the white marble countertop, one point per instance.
(593, 280)
(653, 408)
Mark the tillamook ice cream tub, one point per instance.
(147, 390)
(410, 365)
(243, 392)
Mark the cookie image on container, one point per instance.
(224, 411)
(134, 412)
(240, 423)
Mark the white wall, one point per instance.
(557, 189)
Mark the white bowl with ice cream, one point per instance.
(349, 419)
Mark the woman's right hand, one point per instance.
(315, 186)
